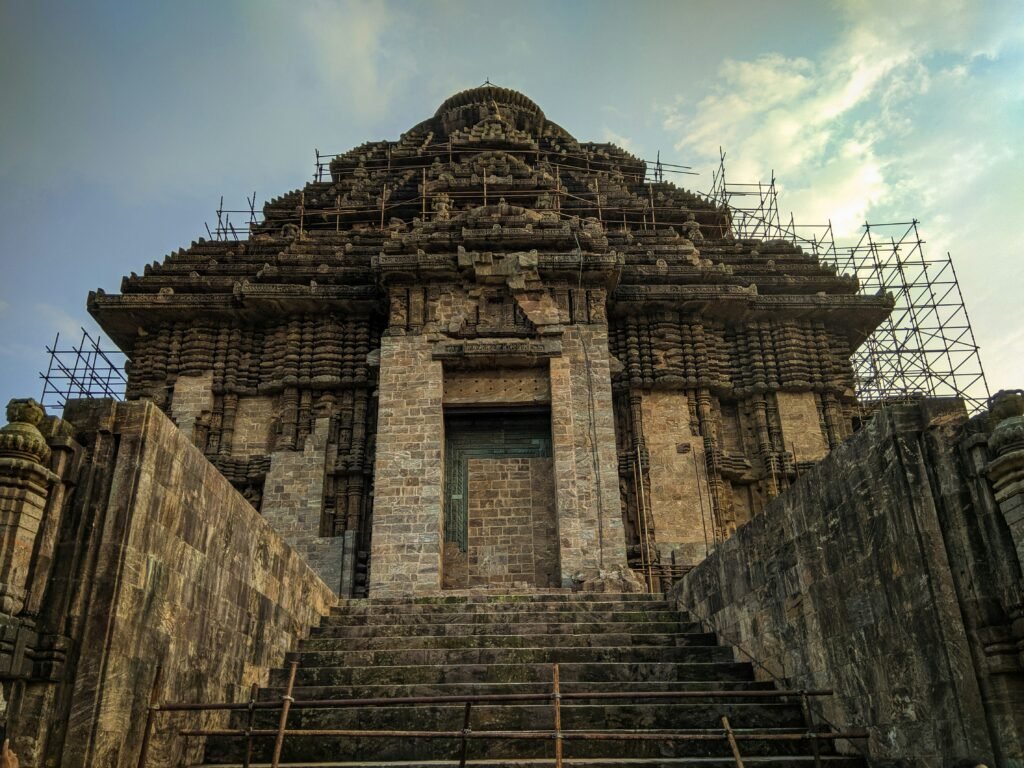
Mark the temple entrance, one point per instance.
(499, 526)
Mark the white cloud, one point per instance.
(911, 112)
(610, 136)
(358, 52)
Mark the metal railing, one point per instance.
(287, 703)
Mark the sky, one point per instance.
(123, 123)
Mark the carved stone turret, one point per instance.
(24, 486)
(1006, 470)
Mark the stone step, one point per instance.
(530, 655)
(788, 761)
(506, 616)
(642, 609)
(334, 748)
(499, 640)
(475, 644)
(550, 596)
(336, 630)
(418, 674)
(477, 688)
(539, 716)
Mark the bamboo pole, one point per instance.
(154, 707)
(732, 742)
(556, 696)
(286, 702)
(251, 721)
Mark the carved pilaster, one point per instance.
(24, 488)
(764, 446)
(709, 428)
(1006, 470)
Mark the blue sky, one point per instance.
(124, 122)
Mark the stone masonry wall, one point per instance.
(801, 426)
(844, 582)
(680, 511)
(192, 396)
(187, 577)
(407, 516)
(586, 466)
(512, 534)
(293, 500)
(253, 435)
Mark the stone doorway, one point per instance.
(500, 528)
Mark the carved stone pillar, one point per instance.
(24, 487)
(1006, 470)
(764, 446)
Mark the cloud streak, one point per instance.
(908, 112)
(358, 54)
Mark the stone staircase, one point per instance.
(474, 644)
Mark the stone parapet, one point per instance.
(152, 560)
(887, 574)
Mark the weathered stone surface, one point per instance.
(857, 579)
(426, 647)
(292, 504)
(254, 427)
(167, 566)
(1006, 471)
(801, 425)
(503, 242)
(25, 480)
(503, 386)
(676, 504)
(192, 397)
(407, 530)
(586, 472)
(512, 534)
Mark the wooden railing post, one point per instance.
(154, 707)
(732, 742)
(556, 696)
(248, 729)
(465, 735)
(286, 703)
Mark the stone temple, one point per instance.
(483, 400)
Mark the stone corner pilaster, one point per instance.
(25, 480)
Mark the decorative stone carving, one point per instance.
(1006, 470)
(24, 485)
(21, 438)
(489, 222)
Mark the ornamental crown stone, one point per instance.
(21, 439)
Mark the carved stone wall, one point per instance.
(491, 233)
